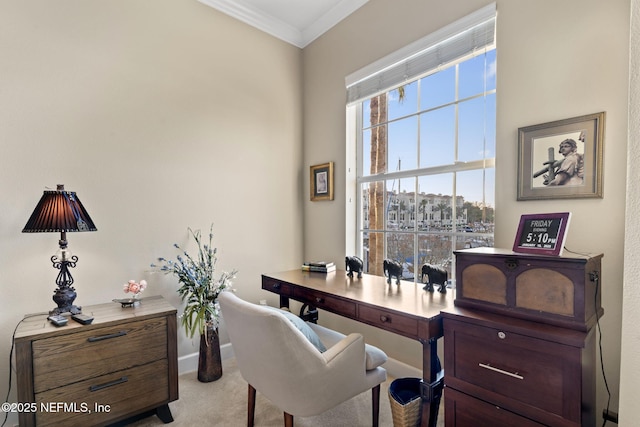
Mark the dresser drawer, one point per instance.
(326, 302)
(97, 351)
(106, 398)
(389, 320)
(462, 410)
(513, 369)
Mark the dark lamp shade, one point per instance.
(59, 211)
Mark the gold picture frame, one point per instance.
(321, 182)
(577, 173)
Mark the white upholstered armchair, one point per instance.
(277, 359)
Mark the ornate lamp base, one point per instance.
(64, 297)
(65, 294)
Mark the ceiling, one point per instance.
(298, 22)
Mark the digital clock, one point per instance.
(542, 233)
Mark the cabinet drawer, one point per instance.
(388, 320)
(97, 351)
(276, 286)
(326, 302)
(462, 410)
(513, 367)
(105, 398)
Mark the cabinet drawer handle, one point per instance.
(500, 371)
(385, 319)
(109, 384)
(106, 337)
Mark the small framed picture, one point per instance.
(562, 159)
(542, 233)
(321, 180)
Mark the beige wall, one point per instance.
(164, 115)
(161, 115)
(556, 60)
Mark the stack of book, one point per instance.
(320, 267)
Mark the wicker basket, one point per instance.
(406, 404)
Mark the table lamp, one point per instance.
(61, 211)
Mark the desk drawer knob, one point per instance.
(502, 335)
(385, 319)
(319, 300)
(276, 286)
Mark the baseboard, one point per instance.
(395, 368)
(189, 363)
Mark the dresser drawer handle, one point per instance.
(385, 319)
(106, 337)
(500, 371)
(109, 384)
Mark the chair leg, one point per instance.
(288, 420)
(375, 404)
(251, 406)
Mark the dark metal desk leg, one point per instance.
(309, 313)
(432, 384)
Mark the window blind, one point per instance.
(466, 35)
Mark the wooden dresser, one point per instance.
(520, 344)
(123, 364)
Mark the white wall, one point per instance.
(630, 362)
(162, 115)
(556, 60)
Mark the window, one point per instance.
(425, 149)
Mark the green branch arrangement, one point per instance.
(198, 288)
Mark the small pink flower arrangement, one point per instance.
(134, 287)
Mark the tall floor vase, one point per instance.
(209, 360)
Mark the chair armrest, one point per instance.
(350, 348)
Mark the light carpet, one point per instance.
(224, 403)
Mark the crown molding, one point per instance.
(330, 19)
(281, 29)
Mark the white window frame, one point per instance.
(451, 45)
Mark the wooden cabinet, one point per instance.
(123, 364)
(562, 291)
(500, 369)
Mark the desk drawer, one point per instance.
(326, 302)
(117, 394)
(529, 371)
(388, 320)
(97, 351)
(277, 287)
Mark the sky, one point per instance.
(422, 129)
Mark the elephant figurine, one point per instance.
(435, 275)
(392, 269)
(353, 263)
